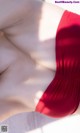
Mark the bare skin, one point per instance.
(27, 53)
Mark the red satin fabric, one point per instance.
(62, 96)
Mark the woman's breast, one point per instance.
(30, 83)
(43, 52)
(41, 60)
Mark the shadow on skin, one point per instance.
(20, 46)
(44, 119)
(65, 33)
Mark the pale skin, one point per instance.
(27, 53)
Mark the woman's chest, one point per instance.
(42, 52)
(29, 76)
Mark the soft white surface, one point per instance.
(37, 123)
(74, 7)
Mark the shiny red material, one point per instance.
(62, 96)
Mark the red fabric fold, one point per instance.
(62, 96)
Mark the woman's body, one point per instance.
(39, 37)
(32, 65)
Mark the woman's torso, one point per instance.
(35, 37)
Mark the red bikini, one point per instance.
(62, 96)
